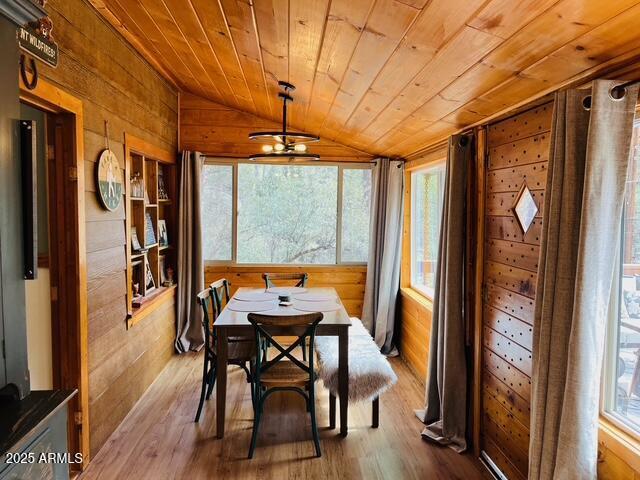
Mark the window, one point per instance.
(621, 392)
(216, 206)
(427, 191)
(286, 214)
(356, 213)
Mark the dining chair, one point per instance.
(241, 350)
(284, 372)
(270, 277)
(301, 279)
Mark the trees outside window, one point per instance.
(287, 214)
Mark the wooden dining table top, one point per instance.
(334, 318)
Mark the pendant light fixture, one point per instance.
(284, 144)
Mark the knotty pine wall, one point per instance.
(518, 153)
(348, 280)
(218, 130)
(117, 85)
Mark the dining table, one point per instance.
(233, 322)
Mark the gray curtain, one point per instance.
(189, 332)
(445, 413)
(581, 235)
(385, 249)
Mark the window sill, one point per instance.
(418, 297)
(620, 443)
(275, 267)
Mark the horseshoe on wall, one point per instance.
(30, 84)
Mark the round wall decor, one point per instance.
(110, 181)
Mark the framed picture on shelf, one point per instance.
(149, 282)
(163, 237)
(135, 241)
(149, 233)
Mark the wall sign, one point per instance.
(38, 43)
(110, 180)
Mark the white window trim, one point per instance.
(428, 292)
(610, 360)
(342, 166)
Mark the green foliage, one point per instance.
(286, 213)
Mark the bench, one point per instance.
(370, 373)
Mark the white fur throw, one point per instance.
(370, 373)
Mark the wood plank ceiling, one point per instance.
(389, 77)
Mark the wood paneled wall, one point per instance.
(116, 85)
(416, 314)
(217, 130)
(349, 281)
(518, 153)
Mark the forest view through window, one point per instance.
(286, 214)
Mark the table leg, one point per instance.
(343, 379)
(221, 380)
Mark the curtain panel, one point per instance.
(445, 412)
(189, 332)
(590, 143)
(385, 251)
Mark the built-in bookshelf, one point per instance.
(150, 176)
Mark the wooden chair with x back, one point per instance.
(301, 282)
(284, 372)
(241, 350)
(301, 279)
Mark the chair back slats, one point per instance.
(207, 302)
(308, 322)
(220, 289)
(300, 278)
(211, 302)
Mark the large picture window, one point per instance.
(621, 395)
(427, 191)
(286, 214)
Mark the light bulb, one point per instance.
(300, 147)
(279, 147)
(267, 148)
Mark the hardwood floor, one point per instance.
(159, 440)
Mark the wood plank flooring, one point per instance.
(159, 440)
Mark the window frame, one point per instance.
(433, 165)
(234, 163)
(610, 419)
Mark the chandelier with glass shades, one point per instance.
(284, 144)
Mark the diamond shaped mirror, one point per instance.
(525, 208)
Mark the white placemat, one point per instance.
(255, 296)
(286, 290)
(316, 306)
(315, 297)
(238, 306)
